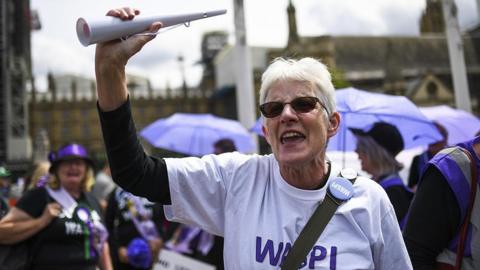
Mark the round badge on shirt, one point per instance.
(83, 214)
(341, 188)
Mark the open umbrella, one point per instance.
(361, 109)
(460, 125)
(195, 134)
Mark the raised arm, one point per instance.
(131, 168)
(111, 58)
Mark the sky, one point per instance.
(56, 49)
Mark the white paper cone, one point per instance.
(110, 28)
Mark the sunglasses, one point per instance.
(299, 104)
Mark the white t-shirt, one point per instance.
(245, 199)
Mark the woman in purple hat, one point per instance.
(60, 220)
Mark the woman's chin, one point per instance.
(292, 159)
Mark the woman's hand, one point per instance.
(123, 255)
(155, 246)
(111, 58)
(118, 52)
(51, 211)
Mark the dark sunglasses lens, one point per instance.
(304, 104)
(271, 109)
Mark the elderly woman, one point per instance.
(259, 204)
(61, 220)
(376, 150)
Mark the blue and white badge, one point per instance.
(341, 188)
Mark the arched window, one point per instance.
(432, 90)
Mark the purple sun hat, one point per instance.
(68, 152)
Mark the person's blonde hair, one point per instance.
(41, 170)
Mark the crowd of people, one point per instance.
(247, 211)
(92, 223)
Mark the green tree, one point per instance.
(338, 78)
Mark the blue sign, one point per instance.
(341, 188)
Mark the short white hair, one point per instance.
(307, 70)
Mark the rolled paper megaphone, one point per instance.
(110, 28)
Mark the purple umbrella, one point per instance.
(461, 125)
(361, 109)
(257, 127)
(195, 134)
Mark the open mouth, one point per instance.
(292, 137)
(73, 174)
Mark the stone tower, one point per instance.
(292, 25)
(432, 18)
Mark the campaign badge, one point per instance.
(83, 214)
(341, 188)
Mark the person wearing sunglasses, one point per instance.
(258, 203)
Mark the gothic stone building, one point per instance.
(414, 66)
(67, 112)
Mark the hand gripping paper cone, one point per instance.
(110, 28)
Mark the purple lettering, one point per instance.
(314, 257)
(262, 253)
(317, 253)
(288, 246)
(333, 258)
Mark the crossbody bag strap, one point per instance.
(320, 218)
(466, 222)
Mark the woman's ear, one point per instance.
(265, 133)
(334, 124)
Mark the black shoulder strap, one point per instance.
(312, 230)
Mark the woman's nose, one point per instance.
(288, 113)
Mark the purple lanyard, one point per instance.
(145, 226)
